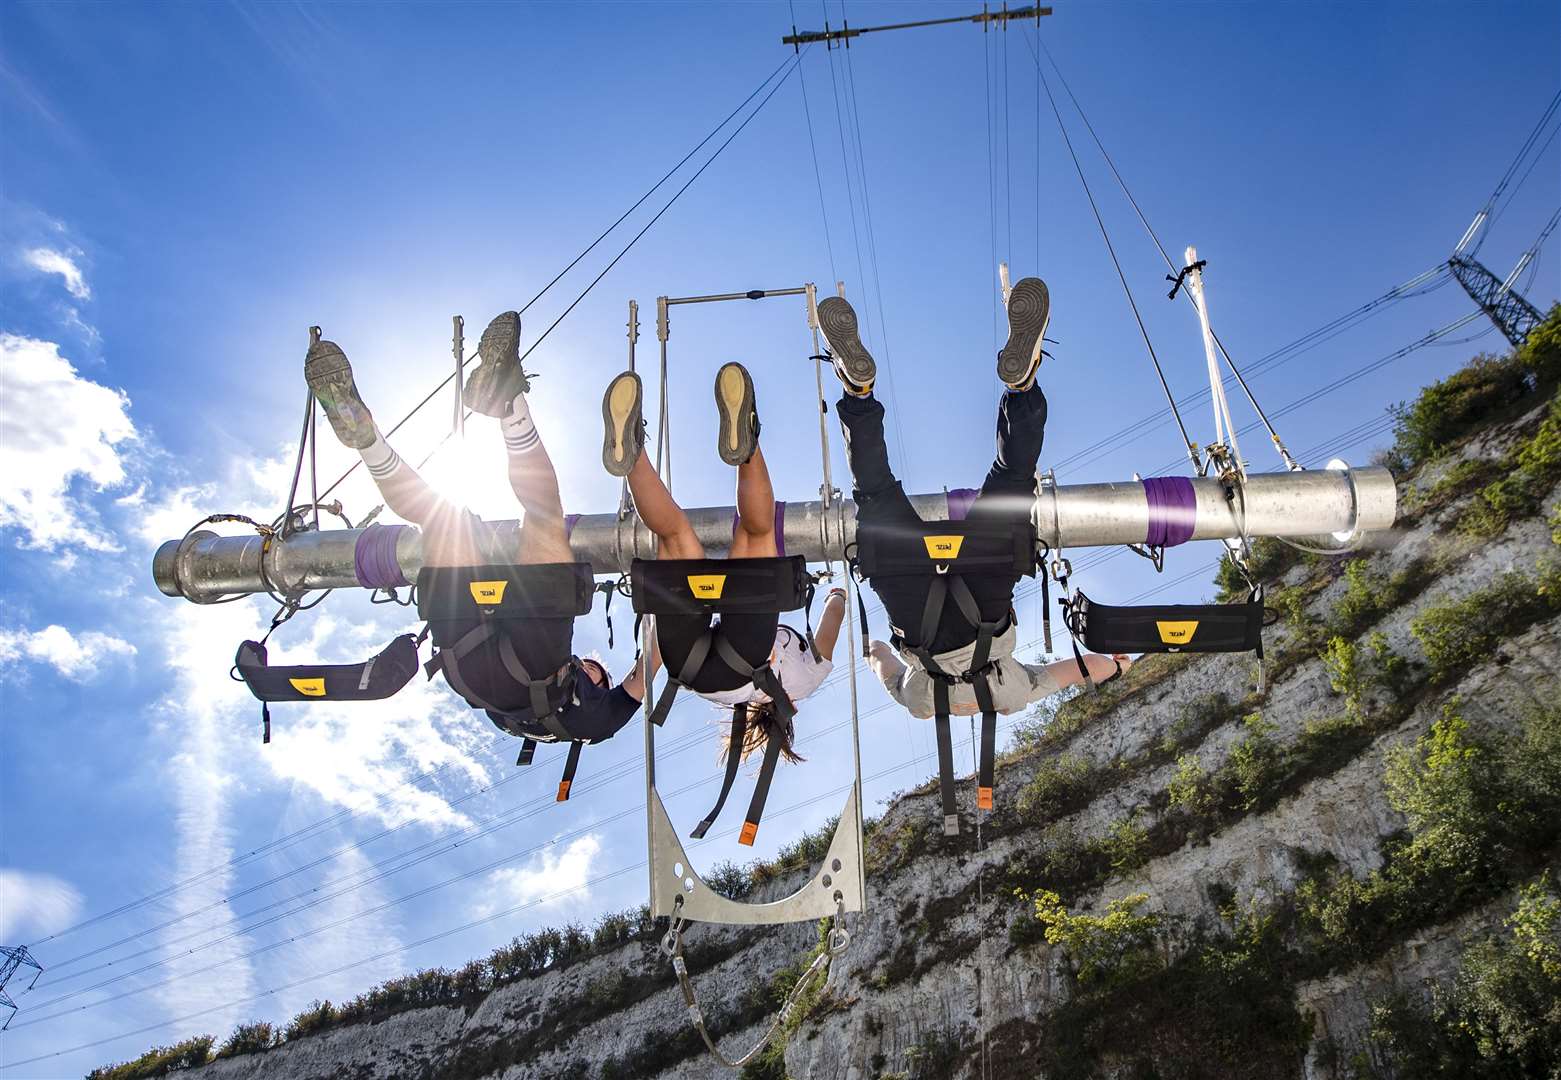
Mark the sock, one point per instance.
(382, 461)
(520, 434)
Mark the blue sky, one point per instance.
(187, 188)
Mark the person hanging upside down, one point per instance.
(1007, 494)
(591, 708)
(782, 666)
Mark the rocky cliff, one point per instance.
(1188, 874)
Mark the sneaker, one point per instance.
(329, 376)
(1029, 310)
(853, 363)
(498, 379)
(734, 400)
(625, 437)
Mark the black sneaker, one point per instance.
(329, 376)
(1029, 310)
(853, 363)
(498, 378)
(734, 400)
(625, 437)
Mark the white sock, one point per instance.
(520, 434)
(382, 461)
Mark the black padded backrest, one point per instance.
(1171, 627)
(372, 680)
(947, 546)
(703, 586)
(539, 591)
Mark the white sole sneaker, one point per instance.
(853, 363)
(624, 440)
(1029, 310)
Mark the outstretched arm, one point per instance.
(1066, 673)
(828, 632)
(634, 683)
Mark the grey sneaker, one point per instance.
(329, 376)
(624, 440)
(734, 400)
(498, 378)
(853, 363)
(1029, 310)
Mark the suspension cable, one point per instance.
(1192, 449)
(637, 203)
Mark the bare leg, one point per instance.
(661, 513)
(534, 481)
(755, 536)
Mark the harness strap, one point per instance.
(696, 660)
(542, 710)
(940, 692)
(763, 676)
(987, 766)
(807, 620)
(733, 759)
(447, 661)
(265, 723)
(571, 763)
(528, 750)
(761, 789)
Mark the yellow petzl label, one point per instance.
(1177, 633)
(309, 687)
(706, 586)
(943, 547)
(488, 592)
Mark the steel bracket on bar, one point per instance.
(836, 883)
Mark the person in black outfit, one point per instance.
(453, 536)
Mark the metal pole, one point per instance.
(458, 347)
(204, 566)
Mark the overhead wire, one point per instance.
(1192, 450)
(818, 175)
(1480, 229)
(791, 60)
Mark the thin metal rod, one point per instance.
(809, 37)
(751, 294)
(458, 347)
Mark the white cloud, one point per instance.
(49, 261)
(74, 656)
(543, 878)
(34, 905)
(56, 427)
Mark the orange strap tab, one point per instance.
(984, 798)
(750, 830)
(563, 791)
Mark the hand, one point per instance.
(836, 591)
(1123, 660)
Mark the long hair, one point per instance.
(762, 727)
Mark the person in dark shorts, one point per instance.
(759, 640)
(594, 708)
(1007, 494)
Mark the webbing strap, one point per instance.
(764, 678)
(985, 771)
(945, 760)
(528, 750)
(542, 710)
(447, 661)
(571, 763)
(734, 753)
(696, 660)
(761, 789)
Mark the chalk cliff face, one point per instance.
(1222, 816)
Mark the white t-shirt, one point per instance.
(793, 663)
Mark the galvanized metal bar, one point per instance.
(204, 567)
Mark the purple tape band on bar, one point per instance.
(374, 558)
(780, 526)
(1173, 510)
(570, 521)
(960, 502)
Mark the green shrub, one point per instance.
(250, 1038)
(1107, 949)
(159, 1061)
(1059, 786)
(1126, 844)
(1189, 787)
(317, 1017)
(1254, 764)
(1458, 633)
(1526, 478)
(1500, 1017)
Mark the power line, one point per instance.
(818, 175)
(1479, 229)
